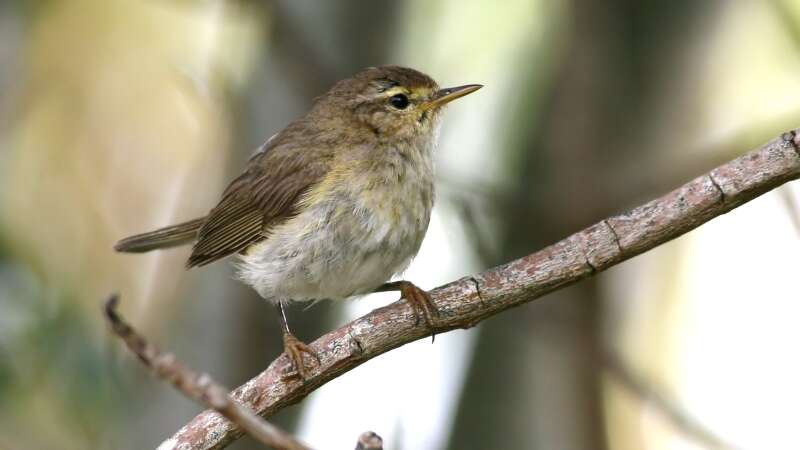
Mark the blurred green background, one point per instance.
(118, 116)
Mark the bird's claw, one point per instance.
(294, 349)
(423, 306)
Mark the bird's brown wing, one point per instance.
(263, 196)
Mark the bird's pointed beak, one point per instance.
(447, 95)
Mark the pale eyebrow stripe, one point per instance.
(385, 84)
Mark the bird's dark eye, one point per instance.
(399, 101)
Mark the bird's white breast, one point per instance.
(361, 226)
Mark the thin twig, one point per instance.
(197, 386)
(369, 441)
(468, 301)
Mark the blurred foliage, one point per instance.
(53, 368)
(122, 115)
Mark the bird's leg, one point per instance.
(419, 300)
(294, 347)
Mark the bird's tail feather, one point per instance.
(172, 236)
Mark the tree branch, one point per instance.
(199, 387)
(468, 301)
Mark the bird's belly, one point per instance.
(336, 249)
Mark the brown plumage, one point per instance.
(265, 194)
(334, 204)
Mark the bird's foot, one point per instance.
(421, 303)
(294, 349)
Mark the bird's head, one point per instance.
(390, 101)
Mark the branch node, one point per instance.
(369, 441)
(616, 236)
(478, 289)
(791, 138)
(592, 269)
(722, 196)
(356, 347)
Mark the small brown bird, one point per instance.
(334, 205)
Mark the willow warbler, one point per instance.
(335, 204)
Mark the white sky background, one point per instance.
(738, 367)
